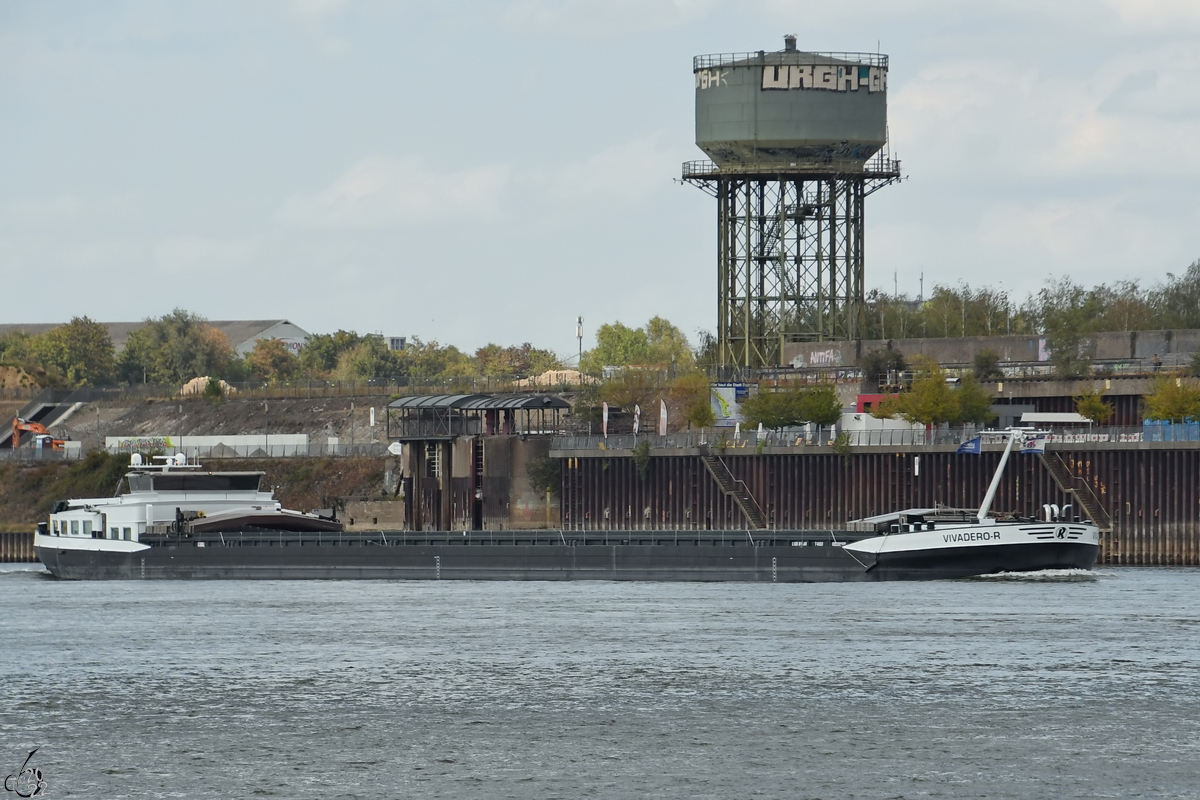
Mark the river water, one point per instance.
(1063, 685)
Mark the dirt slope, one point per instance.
(319, 418)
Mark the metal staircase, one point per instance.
(1078, 488)
(734, 488)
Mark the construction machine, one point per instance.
(48, 442)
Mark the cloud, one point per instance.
(382, 192)
(1157, 13)
(317, 9)
(622, 173)
(316, 16)
(204, 255)
(74, 210)
(387, 192)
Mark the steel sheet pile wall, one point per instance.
(1154, 499)
(1153, 495)
(16, 547)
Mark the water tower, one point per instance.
(797, 142)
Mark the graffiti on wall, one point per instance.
(820, 358)
(131, 444)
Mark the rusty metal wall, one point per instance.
(1153, 495)
(16, 547)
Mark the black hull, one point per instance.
(963, 562)
(704, 558)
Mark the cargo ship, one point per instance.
(179, 522)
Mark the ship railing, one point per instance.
(779, 57)
(555, 537)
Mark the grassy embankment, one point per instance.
(28, 490)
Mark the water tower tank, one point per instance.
(791, 108)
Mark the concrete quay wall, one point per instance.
(1117, 346)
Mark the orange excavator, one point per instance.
(20, 426)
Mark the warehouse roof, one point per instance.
(480, 402)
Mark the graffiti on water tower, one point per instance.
(711, 77)
(825, 77)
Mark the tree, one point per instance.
(320, 353)
(633, 386)
(772, 410)
(944, 314)
(272, 360)
(1067, 314)
(1177, 303)
(368, 360)
(213, 391)
(1090, 404)
(658, 344)
(820, 405)
(518, 361)
(890, 316)
(79, 353)
(690, 397)
(1173, 399)
(792, 406)
(986, 364)
(706, 352)
(431, 360)
(616, 346)
(1125, 307)
(974, 402)
(493, 361)
(16, 348)
(931, 401)
(668, 347)
(174, 349)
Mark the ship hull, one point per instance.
(808, 557)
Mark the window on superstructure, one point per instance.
(74, 527)
(128, 534)
(206, 483)
(87, 527)
(114, 533)
(56, 528)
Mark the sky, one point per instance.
(473, 172)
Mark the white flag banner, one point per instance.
(637, 418)
(604, 419)
(662, 417)
(1037, 445)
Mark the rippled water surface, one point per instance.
(1065, 685)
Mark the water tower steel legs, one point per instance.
(790, 263)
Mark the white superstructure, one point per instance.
(158, 496)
